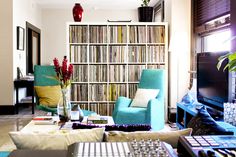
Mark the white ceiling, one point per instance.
(93, 4)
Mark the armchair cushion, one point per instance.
(142, 97)
(48, 95)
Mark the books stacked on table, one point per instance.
(97, 120)
(27, 99)
(44, 121)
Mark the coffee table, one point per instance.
(32, 127)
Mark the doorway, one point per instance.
(33, 47)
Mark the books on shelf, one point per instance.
(118, 34)
(97, 34)
(97, 54)
(79, 92)
(78, 34)
(117, 73)
(27, 99)
(98, 92)
(117, 54)
(108, 60)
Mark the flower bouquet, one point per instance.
(64, 73)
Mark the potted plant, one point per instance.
(145, 12)
(231, 64)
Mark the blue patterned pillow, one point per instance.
(204, 124)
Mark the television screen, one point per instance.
(212, 84)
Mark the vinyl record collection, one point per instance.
(108, 60)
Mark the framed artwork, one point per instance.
(20, 38)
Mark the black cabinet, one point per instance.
(29, 85)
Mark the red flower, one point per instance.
(70, 70)
(64, 72)
(57, 66)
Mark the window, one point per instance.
(218, 41)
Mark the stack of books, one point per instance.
(97, 120)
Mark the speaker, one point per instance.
(172, 115)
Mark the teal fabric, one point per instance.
(43, 76)
(4, 154)
(154, 113)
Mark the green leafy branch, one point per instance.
(145, 3)
(231, 64)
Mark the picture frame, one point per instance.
(20, 38)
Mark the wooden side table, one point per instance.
(29, 85)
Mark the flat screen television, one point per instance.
(212, 84)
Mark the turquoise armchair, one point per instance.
(154, 113)
(41, 79)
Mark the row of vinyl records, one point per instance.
(103, 109)
(117, 54)
(116, 73)
(101, 92)
(155, 34)
(118, 34)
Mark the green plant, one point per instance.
(231, 64)
(145, 3)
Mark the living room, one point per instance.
(183, 33)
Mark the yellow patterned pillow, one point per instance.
(48, 95)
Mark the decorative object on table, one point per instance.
(187, 99)
(64, 73)
(76, 113)
(145, 12)
(20, 38)
(19, 73)
(230, 113)
(77, 12)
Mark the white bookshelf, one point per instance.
(108, 59)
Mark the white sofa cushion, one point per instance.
(170, 137)
(55, 140)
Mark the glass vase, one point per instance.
(64, 107)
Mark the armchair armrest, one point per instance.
(121, 102)
(155, 114)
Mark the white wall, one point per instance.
(13, 13)
(23, 10)
(178, 14)
(6, 55)
(54, 28)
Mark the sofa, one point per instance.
(61, 139)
